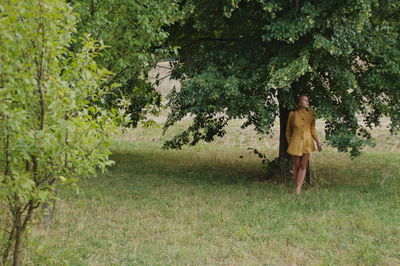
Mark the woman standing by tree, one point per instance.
(300, 133)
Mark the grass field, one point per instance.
(210, 205)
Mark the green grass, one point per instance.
(205, 205)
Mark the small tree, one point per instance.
(49, 134)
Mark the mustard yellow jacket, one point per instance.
(300, 132)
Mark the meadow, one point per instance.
(68, 66)
(210, 204)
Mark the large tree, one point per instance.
(249, 59)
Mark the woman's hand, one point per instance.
(319, 145)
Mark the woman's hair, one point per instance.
(298, 98)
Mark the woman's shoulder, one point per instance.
(311, 112)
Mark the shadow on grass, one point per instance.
(189, 167)
(225, 167)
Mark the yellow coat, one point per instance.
(300, 132)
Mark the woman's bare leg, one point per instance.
(296, 163)
(301, 172)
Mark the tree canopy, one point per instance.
(247, 59)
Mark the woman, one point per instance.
(300, 135)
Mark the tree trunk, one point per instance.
(285, 161)
(20, 224)
(19, 230)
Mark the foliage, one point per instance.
(133, 30)
(247, 59)
(48, 133)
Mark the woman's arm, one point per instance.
(289, 126)
(313, 130)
